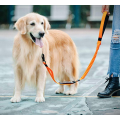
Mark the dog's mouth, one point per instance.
(37, 41)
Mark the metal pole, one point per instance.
(77, 15)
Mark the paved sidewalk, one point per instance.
(85, 102)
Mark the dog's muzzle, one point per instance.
(38, 41)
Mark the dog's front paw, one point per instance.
(39, 99)
(15, 99)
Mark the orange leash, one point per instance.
(48, 69)
(103, 24)
(92, 61)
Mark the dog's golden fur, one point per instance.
(60, 54)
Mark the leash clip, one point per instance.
(43, 57)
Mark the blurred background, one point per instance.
(59, 16)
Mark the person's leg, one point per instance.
(114, 59)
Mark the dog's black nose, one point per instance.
(41, 34)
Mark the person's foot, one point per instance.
(111, 88)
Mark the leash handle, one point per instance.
(103, 25)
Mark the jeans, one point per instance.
(114, 58)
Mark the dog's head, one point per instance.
(34, 26)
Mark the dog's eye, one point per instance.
(41, 23)
(33, 24)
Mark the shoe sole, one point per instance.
(104, 96)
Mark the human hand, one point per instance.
(105, 8)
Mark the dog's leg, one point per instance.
(41, 76)
(60, 89)
(18, 85)
(72, 88)
(72, 75)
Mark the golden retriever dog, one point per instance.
(33, 39)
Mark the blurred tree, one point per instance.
(4, 9)
(84, 12)
(111, 9)
(42, 9)
(45, 10)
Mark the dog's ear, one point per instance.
(46, 24)
(20, 25)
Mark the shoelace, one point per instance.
(107, 79)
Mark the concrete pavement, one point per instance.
(85, 102)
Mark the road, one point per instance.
(85, 102)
